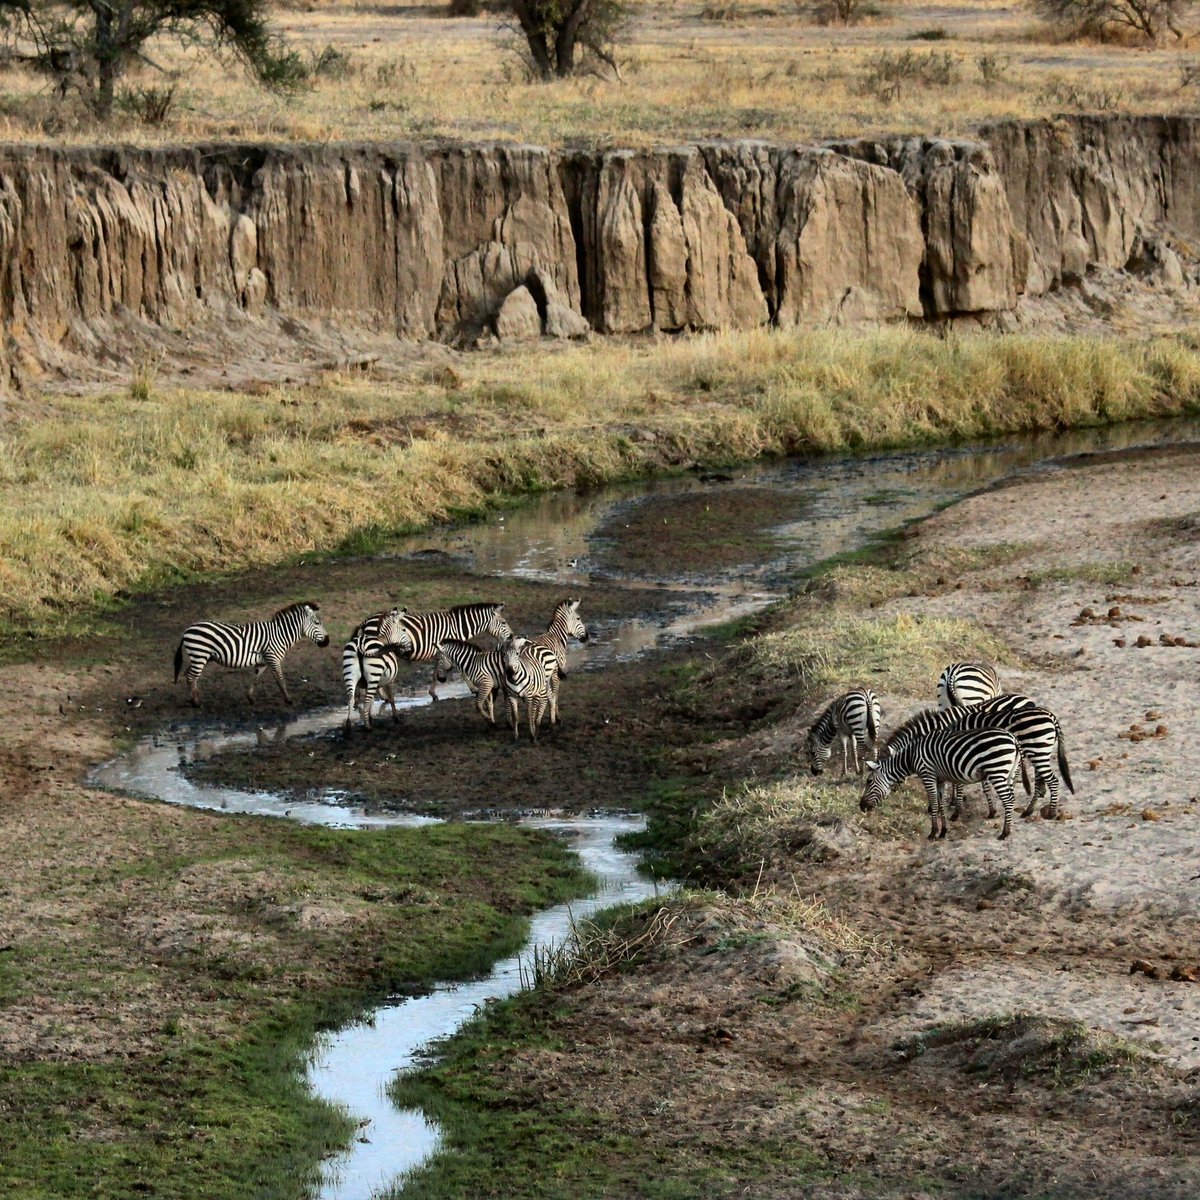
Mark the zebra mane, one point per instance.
(824, 716)
(291, 608)
(473, 607)
(916, 722)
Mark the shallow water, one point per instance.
(563, 538)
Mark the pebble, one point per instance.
(1148, 814)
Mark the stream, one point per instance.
(573, 540)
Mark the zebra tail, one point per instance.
(179, 662)
(1025, 776)
(872, 728)
(1063, 765)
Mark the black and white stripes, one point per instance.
(258, 644)
(854, 720)
(965, 683)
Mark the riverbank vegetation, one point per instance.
(158, 1046)
(103, 494)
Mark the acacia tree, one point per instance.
(92, 43)
(1147, 17)
(566, 36)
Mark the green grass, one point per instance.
(149, 488)
(208, 1099)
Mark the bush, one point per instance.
(890, 73)
(1150, 18)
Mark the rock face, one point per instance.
(98, 247)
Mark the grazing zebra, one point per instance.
(854, 718)
(526, 677)
(988, 756)
(1036, 729)
(483, 671)
(259, 644)
(963, 684)
(428, 630)
(360, 658)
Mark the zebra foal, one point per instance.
(258, 644)
(987, 756)
(855, 719)
(483, 671)
(965, 683)
(552, 647)
(426, 631)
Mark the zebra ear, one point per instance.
(872, 765)
(314, 606)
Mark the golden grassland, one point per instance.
(104, 493)
(764, 70)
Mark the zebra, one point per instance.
(360, 658)
(483, 671)
(988, 756)
(1036, 729)
(526, 677)
(428, 630)
(552, 646)
(965, 683)
(259, 644)
(564, 625)
(854, 718)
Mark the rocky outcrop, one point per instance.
(104, 250)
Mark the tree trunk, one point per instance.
(539, 51)
(568, 38)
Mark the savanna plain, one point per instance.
(829, 1005)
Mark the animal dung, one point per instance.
(1145, 967)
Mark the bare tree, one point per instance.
(564, 37)
(1150, 18)
(90, 44)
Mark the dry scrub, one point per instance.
(765, 69)
(103, 494)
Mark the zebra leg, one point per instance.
(389, 691)
(351, 678)
(553, 698)
(956, 802)
(933, 805)
(254, 685)
(433, 684)
(1004, 790)
(193, 677)
(514, 716)
(535, 708)
(845, 755)
(276, 666)
(854, 754)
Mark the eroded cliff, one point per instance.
(103, 252)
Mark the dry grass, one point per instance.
(766, 70)
(99, 494)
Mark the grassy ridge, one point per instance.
(103, 494)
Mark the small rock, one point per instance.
(1119, 642)
(1148, 814)
(1146, 967)
(984, 905)
(1161, 731)
(1166, 639)
(1093, 764)
(1086, 614)
(1136, 569)
(1114, 612)
(1080, 653)
(518, 319)
(1142, 642)
(1152, 714)
(1184, 974)
(1182, 641)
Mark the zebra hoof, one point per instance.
(1003, 835)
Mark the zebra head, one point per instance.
(497, 626)
(393, 631)
(878, 786)
(443, 665)
(311, 627)
(510, 654)
(573, 625)
(818, 751)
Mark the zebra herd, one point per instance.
(516, 669)
(975, 735)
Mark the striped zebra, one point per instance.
(360, 662)
(988, 756)
(386, 666)
(965, 683)
(526, 677)
(854, 718)
(259, 644)
(483, 671)
(564, 625)
(1036, 729)
(552, 645)
(428, 630)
